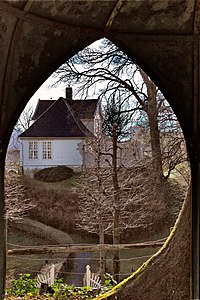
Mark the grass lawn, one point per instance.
(33, 236)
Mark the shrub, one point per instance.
(24, 285)
(54, 174)
(63, 291)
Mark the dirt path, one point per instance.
(81, 260)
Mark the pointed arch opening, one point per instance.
(134, 156)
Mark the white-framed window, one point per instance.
(46, 150)
(33, 150)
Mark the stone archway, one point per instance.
(162, 37)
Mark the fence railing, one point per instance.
(49, 272)
(81, 248)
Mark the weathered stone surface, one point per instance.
(37, 36)
(169, 275)
(162, 36)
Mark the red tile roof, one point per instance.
(58, 120)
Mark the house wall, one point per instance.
(67, 152)
(98, 120)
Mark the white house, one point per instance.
(57, 133)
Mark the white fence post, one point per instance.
(90, 279)
(52, 275)
(88, 275)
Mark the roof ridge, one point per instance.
(67, 110)
(54, 101)
(40, 115)
(83, 108)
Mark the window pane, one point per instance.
(33, 150)
(46, 150)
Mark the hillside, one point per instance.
(57, 205)
(28, 232)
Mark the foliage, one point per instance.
(63, 291)
(24, 285)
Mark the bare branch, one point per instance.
(17, 204)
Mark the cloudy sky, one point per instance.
(46, 93)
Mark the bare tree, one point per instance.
(113, 198)
(105, 65)
(116, 121)
(14, 142)
(105, 187)
(25, 118)
(17, 204)
(172, 143)
(116, 124)
(93, 214)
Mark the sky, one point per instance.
(47, 93)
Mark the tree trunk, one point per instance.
(152, 113)
(116, 212)
(157, 172)
(102, 253)
(116, 240)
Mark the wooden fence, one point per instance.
(81, 248)
(90, 279)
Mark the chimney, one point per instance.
(68, 95)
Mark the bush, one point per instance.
(54, 174)
(24, 285)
